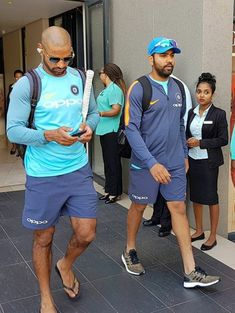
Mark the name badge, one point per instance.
(208, 122)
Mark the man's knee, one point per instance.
(43, 238)
(138, 207)
(85, 236)
(83, 240)
(177, 207)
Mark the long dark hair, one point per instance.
(115, 74)
(209, 79)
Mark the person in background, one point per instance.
(110, 104)
(59, 178)
(17, 75)
(159, 159)
(207, 132)
(232, 150)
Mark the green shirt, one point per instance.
(111, 95)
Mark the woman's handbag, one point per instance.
(123, 144)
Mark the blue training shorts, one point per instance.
(47, 198)
(143, 188)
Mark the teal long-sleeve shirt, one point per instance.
(60, 104)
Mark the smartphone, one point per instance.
(79, 133)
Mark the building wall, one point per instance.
(220, 63)
(12, 55)
(12, 49)
(206, 47)
(33, 33)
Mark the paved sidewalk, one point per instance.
(105, 286)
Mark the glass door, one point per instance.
(97, 45)
(72, 21)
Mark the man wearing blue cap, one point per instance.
(159, 158)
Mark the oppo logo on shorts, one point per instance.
(139, 197)
(36, 222)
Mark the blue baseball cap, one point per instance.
(161, 45)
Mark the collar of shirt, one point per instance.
(196, 110)
(164, 84)
(106, 88)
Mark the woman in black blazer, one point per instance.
(206, 132)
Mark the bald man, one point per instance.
(58, 175)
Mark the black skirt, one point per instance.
(203, 182)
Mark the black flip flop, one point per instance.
(69, 288)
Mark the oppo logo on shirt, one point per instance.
(61, 103)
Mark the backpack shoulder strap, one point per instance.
(83, 77)
(147, 92)
(147, 96)
(182, 90)
(35, 92)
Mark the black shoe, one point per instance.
(201, 237)
(149, 223)
(112, 199)
(164, 231)
(206, 247)
(104, 197)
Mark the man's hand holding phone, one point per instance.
(60, 135)
(79, 133)
(84, 134)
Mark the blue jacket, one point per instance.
(158, 134)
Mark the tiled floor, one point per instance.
(105, 285)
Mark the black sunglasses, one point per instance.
(55, 60)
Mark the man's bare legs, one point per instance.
(84, 233)
(134, 218)
(42, 257)
(180, 227)
(233, 172)
(129, 256)
(194, 276)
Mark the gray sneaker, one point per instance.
(132, 263)
(199, 278)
